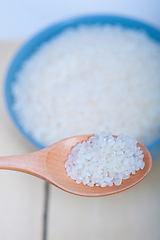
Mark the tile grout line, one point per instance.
(45, 218)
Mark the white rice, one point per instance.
(104, 160)
(88, 80)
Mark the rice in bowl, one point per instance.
(91, 79)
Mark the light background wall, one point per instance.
(20, 19)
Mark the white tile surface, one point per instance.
(21, 195)
(21, 206)
(133, 214)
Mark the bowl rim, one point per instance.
(48, 33)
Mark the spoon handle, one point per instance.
(30, 163)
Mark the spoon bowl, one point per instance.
(49, 165)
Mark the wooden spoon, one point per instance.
(48, 164)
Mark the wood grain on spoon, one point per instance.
(48, 164)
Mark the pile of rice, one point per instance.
(104, 160)
(91, 79)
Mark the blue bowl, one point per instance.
(32, 45)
